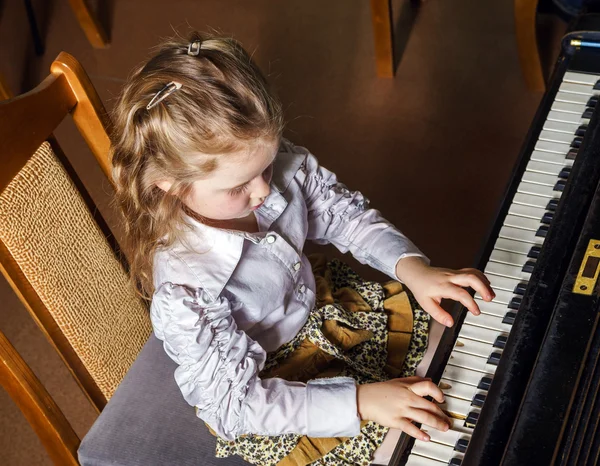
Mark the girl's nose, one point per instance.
(261, 189)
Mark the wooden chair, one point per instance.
(381, 17)
(89, 23)
(59, 257)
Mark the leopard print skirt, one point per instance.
(362, 329)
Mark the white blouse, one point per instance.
(224, 299)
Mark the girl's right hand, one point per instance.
(397, 402)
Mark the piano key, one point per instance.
(572, 154)
(550, 157)
(552, 204)
(569, 128)
(520, 210)
(416, 460)
(514, 246)
(500, 342)
(458, 389)
(484, 335)
(502, 296)
(593, 101)
(455, 462)
(554, 147)
(539, 178)
(580, 78)
(588, 113)
(485, 383)
(487, 321)
(464, 375)
(436, 451)
(529, 266)
(520, 289)
(492, 308)
(474, 363)
(476, 348)
(505, 257)
(472, 419)
(567, 117)
(584, 89)
(534, 252)
(547, 218)
(569, 107)
(509, 318)
(515, 303)
(556, 136)
(524, 223)
(542, 231)
(494, 358)
(581, 130)
(565, 173)
(505, 270)
(537, 190)
(455, 407)
(478, 401)
(560, 185)
(545, 168)
(570, 97)
(450, 437)
(576, 142)
(519, 234)
(505, 283)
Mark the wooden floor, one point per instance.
(432, 148)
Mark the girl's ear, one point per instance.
(165, 185)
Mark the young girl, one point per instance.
(287, 365)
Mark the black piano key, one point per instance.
(564, 173)
(581, 130)
(593, 101)
(500, 341)
(534, 252)
(461, 445)
(472, 419)
(597, 85)
(455, 462)
(520, 289)
(509, 318)
(515, 303)
(484, 383)
(576, 143)
(552, 205)
(571, 154)
(478, 401)
(560, 185)
(588, 113)
(542, 231)
(494, 358)
(547, 218)
(528, 267)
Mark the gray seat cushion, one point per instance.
(147, 422)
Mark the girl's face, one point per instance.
(237, 187)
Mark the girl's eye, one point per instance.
(268, 172)
(239, 190)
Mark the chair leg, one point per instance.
(381, 16)
(89, 23)
(48, 422)
(527, 44)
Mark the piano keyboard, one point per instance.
(481, 339)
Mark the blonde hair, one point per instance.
(223, 106)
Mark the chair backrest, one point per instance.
(56, 251)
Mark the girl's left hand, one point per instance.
(430, 284)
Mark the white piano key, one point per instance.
(584, 89)
(551, 157)
(554, 115)
(568, 128)
(505, 257)
(580, 78)
(532, 224)
(416, 460)
(505, 270)
(537, 190)
(487, 321)
(556, 136)
(519, 210)
(484, 335)
(539, 178)
(504, 283)
(516, 247)
(469, 361)
(534, 201)
(553, 147)
(569, 107)
(502, 296)
(434, 450)
(450, 437)
(492, 308)
(456, 407)
(526, 236)
(464, 375)
(458, 390)
(570, 97)
(476, 348)
(545, 168)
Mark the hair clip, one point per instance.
(163, 94)
(194, 48)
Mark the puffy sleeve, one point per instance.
(218, 367)
(343, 218)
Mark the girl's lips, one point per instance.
(256, 207)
